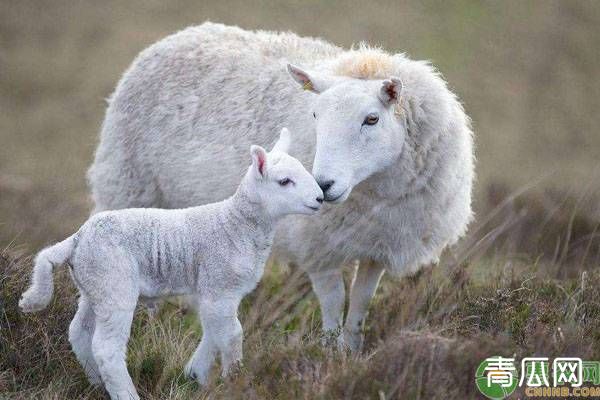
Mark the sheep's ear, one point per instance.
(391, 90)
(284, 142)
(311, 82)
(259, 160)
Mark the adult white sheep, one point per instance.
(393, 144)
(214, 252)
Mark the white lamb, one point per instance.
(214, 252)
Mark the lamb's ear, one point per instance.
(391, 90)
(284, 142)
(312, 82)
(259, 160)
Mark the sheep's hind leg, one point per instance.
(328, 285)
(80, 337)
(109, 345)
(362, 291)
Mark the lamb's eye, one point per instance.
(314, 115)
(285, 181)
(371, 119)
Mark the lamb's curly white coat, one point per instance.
(215, 253)
(178, 123)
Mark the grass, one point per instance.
(527, 74)
(425, 335)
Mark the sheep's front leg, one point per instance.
(109, 345)
(329, 288)
(362, 291)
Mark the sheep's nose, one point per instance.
(325, 185)
(320, 199)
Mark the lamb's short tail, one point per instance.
(39, 294)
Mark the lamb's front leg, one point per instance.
(329, 287)
(227, 333)
(199, 366)
(222, 332)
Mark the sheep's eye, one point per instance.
(315, 115)
(371, 119)
(285, 181)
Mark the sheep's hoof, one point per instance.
(351, 341)
(332, 338)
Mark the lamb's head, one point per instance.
(358, 130)
(281, 182)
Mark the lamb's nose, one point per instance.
(319, 199)
(325, 185)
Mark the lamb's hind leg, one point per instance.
(363, 289)
(329, 287)
(81, 331)
(109, 345)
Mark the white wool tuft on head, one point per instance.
(365, 62)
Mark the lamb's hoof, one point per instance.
(93, 378)
(152, 309)
(191, 373)
(234, 371)
(28, 306)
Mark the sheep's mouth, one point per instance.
(312, 208)
(336, 199)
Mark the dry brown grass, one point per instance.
(425, 336)
(526, 72)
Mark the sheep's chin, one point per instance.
(341, 197)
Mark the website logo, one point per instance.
(498, 377)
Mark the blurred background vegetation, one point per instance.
(524, 281)
(527, 72)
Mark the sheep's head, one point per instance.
(281, 181)
(359, 131)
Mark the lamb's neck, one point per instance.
(246, 212)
